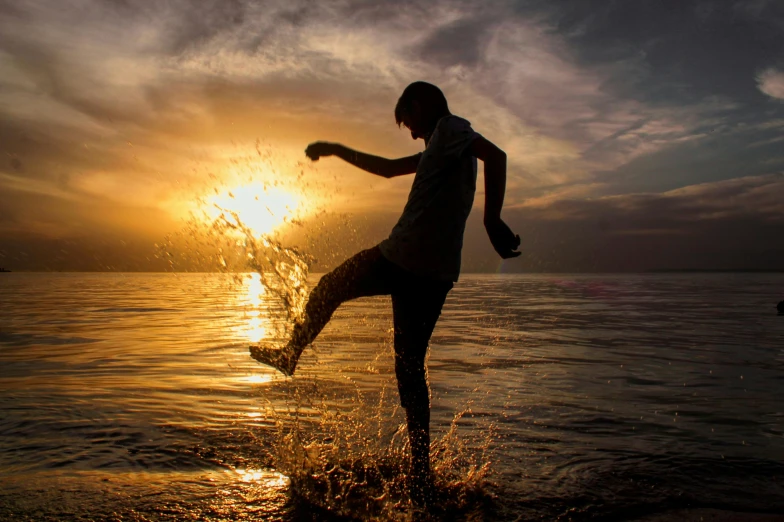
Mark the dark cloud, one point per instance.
(458, 43)
(197, 21)
(693, 71)
(689, 49)
(187, 23)
(7, 218)
(51, 232)
(48, 155)
(723, 153)
(726, 225)
(89, 253)
(16, 164)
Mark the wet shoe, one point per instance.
(282, 359)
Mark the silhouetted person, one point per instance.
(420, 260)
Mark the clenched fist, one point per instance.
(317, 149)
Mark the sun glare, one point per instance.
(259, 207)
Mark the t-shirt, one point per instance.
(428, 238)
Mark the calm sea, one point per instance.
(555, 397)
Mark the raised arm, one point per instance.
(387, 168)
(501, 236)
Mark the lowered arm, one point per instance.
(501, 236)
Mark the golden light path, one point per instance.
(255, 330)
(268, 478)
(252, 297)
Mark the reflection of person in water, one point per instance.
(420, 260)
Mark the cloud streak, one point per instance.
(135, 106)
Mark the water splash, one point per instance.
(348, 456)
(242, 223)
(283, 270)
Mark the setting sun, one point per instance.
(257, 206)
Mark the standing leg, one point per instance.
(416, 311)
(360, 276)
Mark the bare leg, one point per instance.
(360, 276)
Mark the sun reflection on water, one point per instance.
(266, 477)
(255, 330)
(256, 327)
(257, 379)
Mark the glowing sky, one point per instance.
(639, 134)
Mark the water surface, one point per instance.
(555, 397)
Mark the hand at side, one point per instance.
(503, 239)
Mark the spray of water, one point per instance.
(283, 270)
(345, 456)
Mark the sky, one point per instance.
(640, 135)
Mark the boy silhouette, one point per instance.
(420, 260)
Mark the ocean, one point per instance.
(554, 397)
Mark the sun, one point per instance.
(259, 207)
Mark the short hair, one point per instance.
(427, 95)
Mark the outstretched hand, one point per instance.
(317, 149)
(503, 239)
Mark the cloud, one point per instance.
(758, 196)
(139, 104)
(771, 82)
(728, 224)
(459, 43)
(517, 77)
(686, 51)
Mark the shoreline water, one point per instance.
(581, 398)
(711, 515)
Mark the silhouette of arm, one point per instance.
(384, 167)
(501, 236)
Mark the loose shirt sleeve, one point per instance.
(454, 135)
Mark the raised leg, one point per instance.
(362, 275)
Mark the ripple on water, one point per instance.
(577, 397)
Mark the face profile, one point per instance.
(412, 119)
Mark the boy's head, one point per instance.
(420, 107)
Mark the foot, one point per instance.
(282, 359)
(421, 489)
